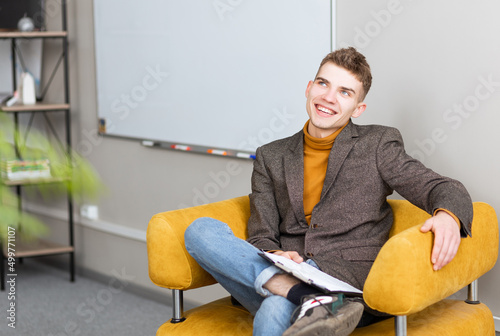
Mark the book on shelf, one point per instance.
(16, 170)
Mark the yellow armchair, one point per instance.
(401, 282)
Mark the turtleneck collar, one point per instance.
(320, 143)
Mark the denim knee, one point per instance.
(194, 231)
(200, 230)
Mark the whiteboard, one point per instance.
(225, 74)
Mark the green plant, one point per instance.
(73, 173)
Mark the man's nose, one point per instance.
(331, 96)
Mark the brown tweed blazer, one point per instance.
(352, 220)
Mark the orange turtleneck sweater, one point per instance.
(316, 152)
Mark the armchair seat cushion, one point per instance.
(221, 318)
(217, 318)
(447, 317)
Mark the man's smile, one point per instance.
(325, 110)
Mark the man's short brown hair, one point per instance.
(354, 62)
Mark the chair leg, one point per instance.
(400, 325)
(472, 293)
(178, 306)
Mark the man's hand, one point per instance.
(292, 255)
(446, 238)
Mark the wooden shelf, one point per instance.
(34, 34)
(34, 181)
(38, 107)
(37, 248)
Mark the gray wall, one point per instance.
(418, 83)
(437, 79)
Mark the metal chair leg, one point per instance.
(400, 325)
(178, 306)
(472, 293)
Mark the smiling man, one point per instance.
(319, 196)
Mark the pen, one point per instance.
(148, 143)
(245, 156)
(181, 147)
(217, 151)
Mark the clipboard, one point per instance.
(311, 275)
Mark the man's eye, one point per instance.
(322, 83)
(344, 93)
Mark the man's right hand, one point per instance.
(292, 255)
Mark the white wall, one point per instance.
(416, 81)
(437, 79)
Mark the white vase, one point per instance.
(28, 95)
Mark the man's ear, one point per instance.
(308, 88)
(359, 110)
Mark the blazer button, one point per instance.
(315, 226)
(309, 254)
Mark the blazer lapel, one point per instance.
(294, 175)
(341, 148)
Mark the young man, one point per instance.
(320, 196)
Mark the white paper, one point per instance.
(311, 274)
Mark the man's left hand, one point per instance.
(446, 238)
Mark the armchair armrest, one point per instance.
(170, 265)
(402, 281)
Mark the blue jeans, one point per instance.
(236, 265)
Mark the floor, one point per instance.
(46, 303)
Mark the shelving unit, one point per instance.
(39, 107)
(43, 108)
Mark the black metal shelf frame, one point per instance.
(64, 145)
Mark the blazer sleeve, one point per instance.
(263, 224)
(419, 184)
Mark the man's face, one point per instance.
(332, 99)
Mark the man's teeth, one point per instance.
(323, 109)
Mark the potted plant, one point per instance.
(60, 171)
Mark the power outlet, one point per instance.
(89, 211)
